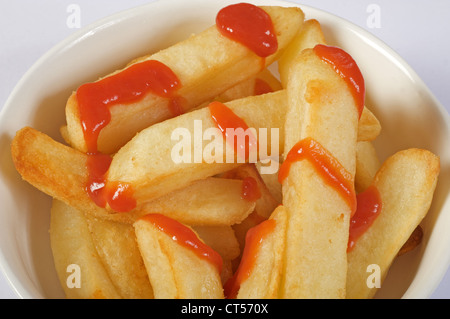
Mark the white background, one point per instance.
(416, 29)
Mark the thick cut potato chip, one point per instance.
(369, 127)
(78, 265)
(117, 247)
(308, 37)
(271, 180)
(263, 82)
(220, 238)
(61, 172)
(321, 107)
(208, 202)
(153, 174)
(265, 277)
(413, 241)
(175, 271)
(206, 65)
(406, 183)
(265, 204)
(367, 165)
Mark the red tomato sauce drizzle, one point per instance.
(250, 189)
(347, 68)
(118, 195)
(328, 167)
(225, 118)
(94, 101)
(369, 206)
(97, 165)
(128, 86)
(250, 26)
(253, 241)
(185, 237)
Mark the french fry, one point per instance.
(406, 183)
(203, 74)
(208, 202)
(174, 270)
(153, 174)
(227, 270)
(117, 247)
(60, 171)
(369, 127)
(271, 182)
(53, 168)
(220, 238)
(367, 165)
(322, 108)
(413, 241)
(72, 246)
(265, 205)
(264, 281)
(308, 36)
(251, 87)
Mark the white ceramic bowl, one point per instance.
(410, 116)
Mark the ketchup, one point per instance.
(369, 206)
(94, 101)
(328, 167)
(119, 196)
(253, 240)
(97, 166)
(184, 236)
(249, 25)
(346, 67)
(126, 87)
(224, 118)
(250, 189)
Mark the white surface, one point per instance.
(30, 28)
